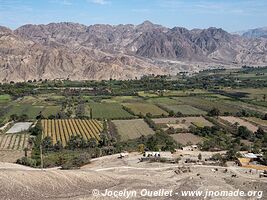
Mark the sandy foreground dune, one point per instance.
(19, 183)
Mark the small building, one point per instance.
(123, 155)
(249, 159)
(190, 148)
(243, 161)
(158, 154)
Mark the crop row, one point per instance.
(63, 129)
(13, 141)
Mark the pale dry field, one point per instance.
(185, 138)
(132, 129)
(240, 122)
(183, 122)
(10, 156)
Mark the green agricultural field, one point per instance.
(208, 104)
(185, 109)
(28, 109)
(122, 99)
(164, 100)
(5, 98)
(38, 100)
(108, 111)
(51, 110)
(88, 99)
(145, 108)
(249, 93)
(246, 106)
(132, 129)
(183, 92)
(256, 74)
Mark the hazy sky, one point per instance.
(231, 15)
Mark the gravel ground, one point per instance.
(111, 173)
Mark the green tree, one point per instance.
(47, 144)
(214, 112)
(37, 130)
(23, 118)
(244, 133)
(92, 143)
(259, 133)
(14, 117)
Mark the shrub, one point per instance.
(27, 161)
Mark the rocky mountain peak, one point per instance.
(75, 51)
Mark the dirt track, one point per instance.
(18, 182)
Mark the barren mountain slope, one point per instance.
(75, 51)
(22, 59)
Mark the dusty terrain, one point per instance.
(240, 122)
(18, 182)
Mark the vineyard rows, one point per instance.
(62, 129)
(13, 141)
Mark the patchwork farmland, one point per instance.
(62, 129)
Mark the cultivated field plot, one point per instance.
(62, 129)
(185, 109)
(257, 121)
(248, 93)
(208, 104)
(182, 122)
(145, 108)
(13, 141)
(164, 101)
(131, 129)
(51, 110)
(28, 109)
(241, 122)
(4, 98)
(123, 99)
(108, 111)
(183, 92)
(186, 138)
(147, 94)
(11, 156)
(19, 127)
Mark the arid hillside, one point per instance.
(18, 182)
(97, 52)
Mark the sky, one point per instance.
(231, 15)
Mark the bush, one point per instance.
(216, 157)
(27, 161)
(76, 162)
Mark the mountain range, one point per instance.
(256, 33)
(98, 52)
